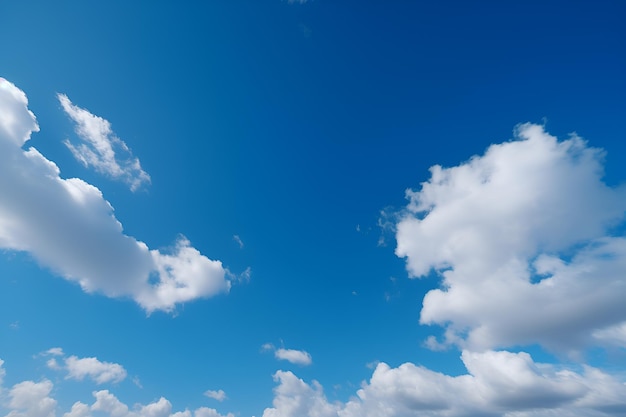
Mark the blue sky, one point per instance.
(312, 208)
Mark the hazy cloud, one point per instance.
(218, 395)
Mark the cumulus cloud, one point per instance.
(218, 395)
(68, 226)
(78, 410)
(521, 237)
(101, 148)
(31, 399)
(210, 412)
(108, 403)
(295, 398)
(98, 371)
(79, 368)
(498, 383)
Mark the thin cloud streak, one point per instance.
(101, 149)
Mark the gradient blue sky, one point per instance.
(280, 138)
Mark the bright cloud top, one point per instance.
(101, 148)
(68, 226)
(521, 237)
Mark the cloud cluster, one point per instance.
(498, 383)
(68, 226)
(33, 399)
(526, 240)
(101, 148)
(521, 238)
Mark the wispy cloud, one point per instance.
(218, 395)
(238, 240)
(101, 149)
(68, 226)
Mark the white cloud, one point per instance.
(69, 227)
(55, 351)
(79, 368)
(520, 238)
(498, 383)
(53, 364)
(295, 398)
(238, 240)
(108, 403)
(2, 374)
(218, 395)
(100, 372)
(210, 412)
(31, 399)
(298, 357)
(79, 410)
(101, 148)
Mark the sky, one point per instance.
(312, 208)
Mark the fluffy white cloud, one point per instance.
(101, 149)
(298, 357)
(68, 226)
(521, 239)
(113, 407)
(218, 395)
(31, 399)
(210, 412)
(78, 410)
(100, 372)
(79, 368)
(498, 383)
(295, 398)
